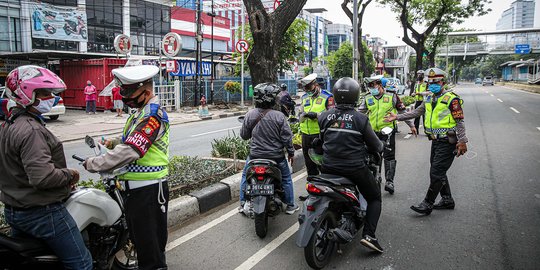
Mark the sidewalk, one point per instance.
(533, 88)
(76, 124)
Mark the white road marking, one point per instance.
(486, 92)
(175, 243)
(263, 252)
(513, 109)
(491, 95)
(407, 136)
(215, 131)
(500, 100)
(538, 128)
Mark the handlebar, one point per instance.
(78, 158)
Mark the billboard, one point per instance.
(58, 22)
(229, 5)
(183, 23)
(189, 68)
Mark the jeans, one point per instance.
(54, 225)
(286, 182)
(90, 106)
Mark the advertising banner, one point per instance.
(188, 68)
(58, 22)
(183, 22)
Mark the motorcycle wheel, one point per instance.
(261, 224)
(319, 250)
(126, 258)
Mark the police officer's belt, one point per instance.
(432, 137)
(142, 183)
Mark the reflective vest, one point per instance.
(421, 87)
(155, 163)
(439, 120)
(378, 108)
(313, 104)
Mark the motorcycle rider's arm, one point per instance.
(286, 137)
(245, 131)
(374, 145)
(363, 108)
(401, 109)
(412, 114)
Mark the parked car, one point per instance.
(487, 81)
(478, 81)
(56, 111)
(394, 85)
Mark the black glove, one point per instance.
(312, 115)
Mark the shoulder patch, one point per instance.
(386, 99)
(306, 102)
(319, 100)
(370, 101)
(445, 99)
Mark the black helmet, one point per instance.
(265, 95)
(283, 86)
(346, 91)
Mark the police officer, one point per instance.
(144, 148)
(420, 90)
(445, 127)
(376, 105)
(347, 138)
(314, 102)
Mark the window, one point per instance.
(10, 40)
(104, 24)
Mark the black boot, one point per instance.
(389, 173)
(423, 208)
(446, 202)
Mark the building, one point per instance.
(396, 61)
(375, 44)
(316, 35)
(519, 15)
(337, 34)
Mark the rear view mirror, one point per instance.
(241, 119)
(90, 141)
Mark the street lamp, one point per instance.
(212, 14)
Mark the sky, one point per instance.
(379, 21)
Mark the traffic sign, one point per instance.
(522, 48)
(122, 44)
(277, 3)
(242, 46)
(171, 44)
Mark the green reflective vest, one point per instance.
(419, 88)
(439, 120)
(377, 109)
(155, 163)
(313, 104)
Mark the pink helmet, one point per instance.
(24, 81)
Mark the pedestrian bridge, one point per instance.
(491, 42)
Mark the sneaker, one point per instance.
(371, 243)
(291, 209)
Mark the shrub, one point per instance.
(408, 100)
(90, 183)
(230, 146)
(2, 218)
(233, 87)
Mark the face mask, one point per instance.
(133, 102)
(312, 91)
(374, 91)
(45, 105)
(420, 78)
(435, 88)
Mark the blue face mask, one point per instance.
(374, 91)
(435, 88)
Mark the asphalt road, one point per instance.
(495, 224)
(191, 139)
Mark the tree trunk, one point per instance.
(431, 58)
(262, 65)
(362, 55)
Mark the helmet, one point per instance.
(283, 86)
(371, 79)
(346, 91)
(265, 95)
(384, 81)
(309, 79)
(24, 81)
(435, 74)
(420, 72)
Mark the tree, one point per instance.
(268, 32)
(340, 62)
(361, 49)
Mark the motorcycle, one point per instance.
(333, 212)
(70, 27)
(49, 28)
(100, 217)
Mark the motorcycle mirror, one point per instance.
(387, 130)
(90, 141)
(241, 119)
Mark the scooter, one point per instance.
(333, 212)
(100, 217)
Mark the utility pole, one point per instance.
(355, 40)
(212, 59)
(198, 56)
(242, 66)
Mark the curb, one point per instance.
(223, 115)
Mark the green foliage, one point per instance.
(308, 70)
(233, 87)
(340, 62)
(90, 183)
(230, 146)
(408, 100)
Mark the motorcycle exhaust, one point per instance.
(339, 235)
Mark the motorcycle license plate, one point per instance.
(260, 189)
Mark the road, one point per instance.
(191, 139)
(495, 224)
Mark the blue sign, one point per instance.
(522, 48)
(188, 68)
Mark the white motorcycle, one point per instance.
(100, 217)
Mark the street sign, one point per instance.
(277, 3)
(522, 48)
(171, 65)
(122, 44)
(171, 44)
(242, 46)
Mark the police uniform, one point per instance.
(445, 127)
(144, 150)
(317, 103)
(420, 90)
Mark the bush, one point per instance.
(233, 87)
(408, 100)
(2, 218)
(90, 183)
(230, 146)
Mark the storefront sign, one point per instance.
(172, 65)
(171, 44)
(188, 68)
(58, 22)
(122, 44)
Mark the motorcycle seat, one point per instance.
(332, 179)
(21, 244)
(261, 161)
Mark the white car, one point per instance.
(55, 112)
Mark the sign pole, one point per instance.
(160, 75)
(242, 65)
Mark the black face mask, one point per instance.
(420, 78)
(133, 102)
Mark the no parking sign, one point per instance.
(242, 46)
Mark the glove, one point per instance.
(311, 115)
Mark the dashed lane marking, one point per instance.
(538, 128)
(500, 100)
(513, 109)
(491, 95)
(215, 131)
(408, 136)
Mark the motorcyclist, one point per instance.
(270, 134)
(347, 137)
(35, 179)
(144, 148)
(286, 103)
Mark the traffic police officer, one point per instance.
(445, 127)
(376, 105)
(144, 148)
(314, 102)
(420, 90)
